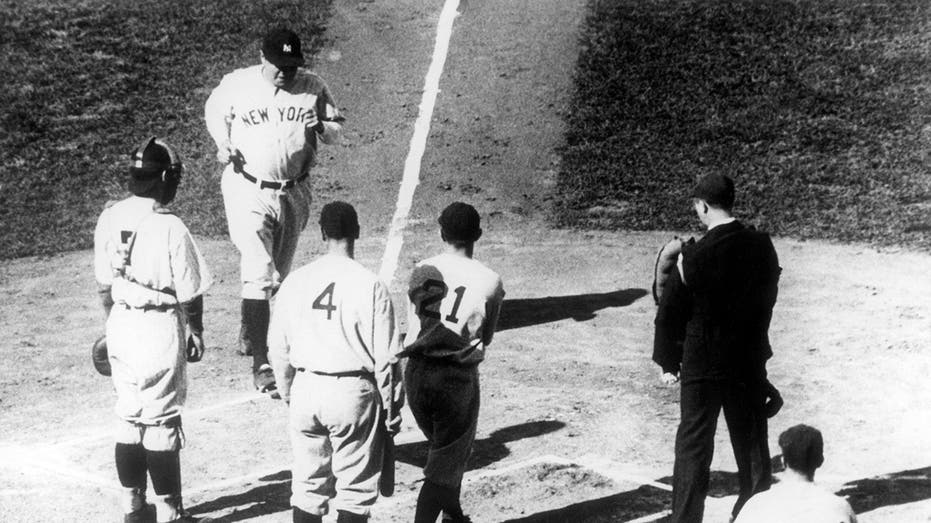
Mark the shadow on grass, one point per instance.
(268, 498)
(485, 451)
(275, 494)
(525, 312)
(898, 488)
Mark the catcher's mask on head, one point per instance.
(155, 170)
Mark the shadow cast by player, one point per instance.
(485, 451)
(898, 488)
(524, 312)
(268, 498)
(625, 506)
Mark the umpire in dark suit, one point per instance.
(712, 332)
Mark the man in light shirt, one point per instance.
(151, 278)
(267, 121)
(453, 311)
(333, 346)
(797, 499)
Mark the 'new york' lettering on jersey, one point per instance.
(268, 125)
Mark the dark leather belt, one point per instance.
(347, 374)
(265, 184)
(149, 307)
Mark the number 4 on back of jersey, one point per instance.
(328, 306)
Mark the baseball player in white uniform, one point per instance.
(266, 121)
(334, 346)
(796, 498)
(151, 278)
(453, 311)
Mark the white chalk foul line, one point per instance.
(102, 434)
(411, 177)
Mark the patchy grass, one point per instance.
(819, 109)
(86, 81)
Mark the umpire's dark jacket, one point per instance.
(715, 325)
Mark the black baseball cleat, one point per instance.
(264, 379)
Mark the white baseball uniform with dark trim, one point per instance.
(452, 315)
(333, 346)
(148, 257)
(267, 124)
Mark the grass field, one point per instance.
(819, 109)
(86, 81)
(574, 424)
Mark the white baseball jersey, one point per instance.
(793, 501)
(268, 124)
(149, 259)
(334, 316)
(454, 306)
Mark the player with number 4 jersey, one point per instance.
(334, 347)
(453, 311)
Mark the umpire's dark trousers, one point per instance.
(701, 403)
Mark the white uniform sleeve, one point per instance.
(385, 348)
(329, 115)
(190, 275)
(492, 312)
(218, 112)
(279, 350)
(102, 271)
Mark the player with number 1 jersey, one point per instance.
(453, 311)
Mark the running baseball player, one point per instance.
(454, 306)
(266, 121)
(151, 278)
(334, 347)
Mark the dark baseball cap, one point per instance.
(152, 158)
(460, 222)
(802, 447)
(339, 220)
(282, 48)
(716, 189)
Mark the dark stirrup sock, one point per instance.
(131, 465)
(299, 516)
(255, 318)
(165, 468)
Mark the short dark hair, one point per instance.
(802, 448)
(460, 223)
(717, 190)
(338, 220)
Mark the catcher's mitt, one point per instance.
(100, 356)
(665, 264)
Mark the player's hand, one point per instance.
(312, 123)
(668, 378)
(226, 153)
(195, 347)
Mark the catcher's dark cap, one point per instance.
(802, 447)
(716, 189)
(339, 220)
(149, 161)
(282, 48)
(460, 222)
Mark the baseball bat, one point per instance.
(386, 483)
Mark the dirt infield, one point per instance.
(574, 424)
